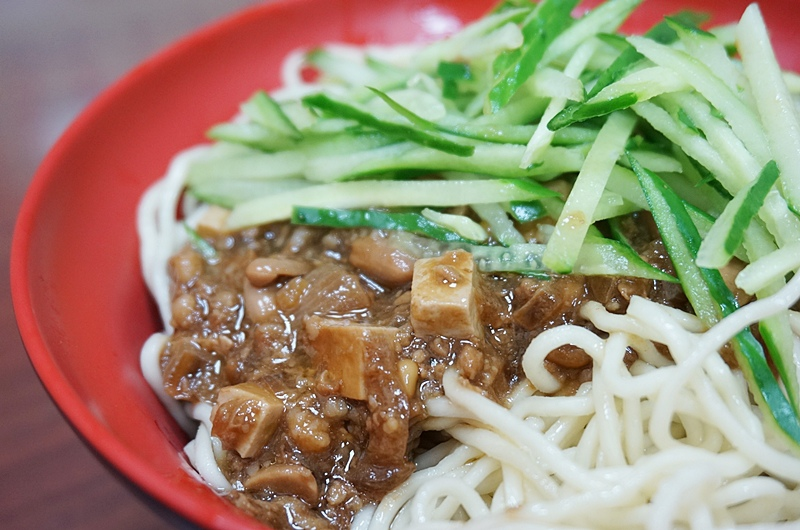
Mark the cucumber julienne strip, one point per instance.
(727, 233)
(384, 193)
(406, 221)
(640, 85)
(460, 224)
(579, 210)
(201, 246)
(543, 136)
(712, 300)
(548, 19)
(497, 160)
(487, 134)
(742, 119)
(500, 226)
(252, 135)
(762, 272)
(775, 104)
(397, 130)
(598, 256)
(630, 58)
(604, 18)
(228, 193)
(451, 49)
(267, 112)
(626, 62)
(625, 183)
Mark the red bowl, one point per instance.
(83, 310)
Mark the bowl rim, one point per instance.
(96, 436)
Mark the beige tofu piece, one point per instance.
(214, 221)
(245, 417)
(444, 296)
(344, 352)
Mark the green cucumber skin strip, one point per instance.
(727, 233)
(495, 160)
(712, 299)
(200, 245)
(265, 111)
(398, 130)
(548, 19)
(406, 221)
(384, 193)
(524, 212)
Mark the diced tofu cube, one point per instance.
(213, 222)
(345, 351)
(245, 417)
(444, 296)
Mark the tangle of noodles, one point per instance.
(675, 446)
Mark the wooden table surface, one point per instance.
(55, 57)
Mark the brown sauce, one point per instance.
(322, 326)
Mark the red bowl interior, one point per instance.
(82, 308)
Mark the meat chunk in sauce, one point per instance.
(378, 259)
(245, 416)
(317, 349)
(285, 479)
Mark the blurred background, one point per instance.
(55, 57)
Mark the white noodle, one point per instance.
(685, 450)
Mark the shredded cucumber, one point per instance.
(460, 224)
(728, 231)
(598, 256)
(578, 213)
(775, 105)
(384, 193)
(411, 222)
